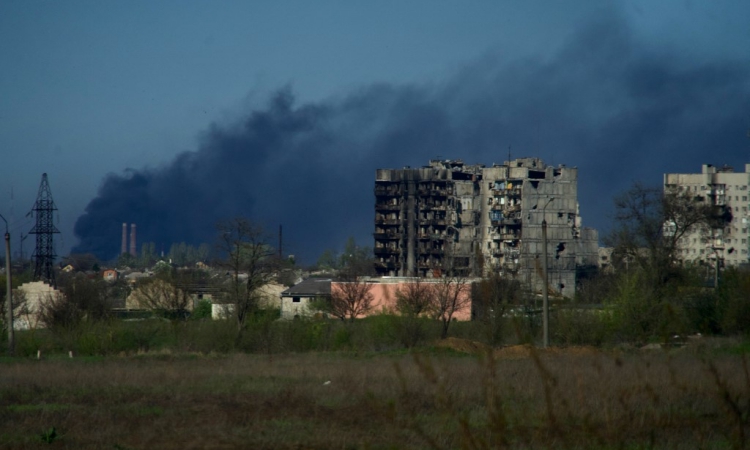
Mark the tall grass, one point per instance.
(690, 398)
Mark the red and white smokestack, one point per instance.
(124, 245)
(132, 240)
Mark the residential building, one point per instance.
(449, 218)
(725, 189)
(296, 300)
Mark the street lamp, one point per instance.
(8, 289)
(545, 287)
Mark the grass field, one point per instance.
(694, 397)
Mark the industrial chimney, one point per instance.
(124, 245)
(132, 240)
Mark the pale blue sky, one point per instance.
(93, 87)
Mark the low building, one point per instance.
(110, 275)
(28, 300)
(296, 301)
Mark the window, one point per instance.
(295, 299)
(744, 198)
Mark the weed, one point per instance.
(49, 436)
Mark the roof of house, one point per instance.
(310, 287)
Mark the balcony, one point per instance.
(386, 251)
(387, 236)
(387, 191)
(387, 207)
(383, 221)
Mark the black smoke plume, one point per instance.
(617, 109)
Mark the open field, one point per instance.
(436, 398)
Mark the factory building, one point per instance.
(449, 218)
(724, 188)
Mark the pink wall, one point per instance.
(385, 298)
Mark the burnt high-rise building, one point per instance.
(449, 218)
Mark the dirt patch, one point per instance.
(463, 345)
(512, 351)
(524, 351)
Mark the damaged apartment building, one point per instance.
(727, 191)
(449, 219)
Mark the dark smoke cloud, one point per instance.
(616, 108)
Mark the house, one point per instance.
(295, 301)
(269, 297)
(31, 296)
(110, 275)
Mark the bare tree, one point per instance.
(163, 293)
(243, 247)
(451, 295)
(80, 299)
(351, 297)
(415, 297)
(650, 224)
(493, 296)
(451, 292)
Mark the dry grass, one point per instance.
(521, 399)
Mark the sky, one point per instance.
(176, 114)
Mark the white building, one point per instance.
(722, 187)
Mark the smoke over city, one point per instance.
(614, 107)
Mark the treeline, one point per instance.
(181, 254)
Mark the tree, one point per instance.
(651, 286)
(148, 254)
(351, 297)
(243, 247)
(82, 261)
(328, 260)
(413, 300)
(80, 299)
(451, 292)
(451, 295)
(650, 223)
(414, 297)
(493, 296)
(165, 293)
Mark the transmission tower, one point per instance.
(44, 254)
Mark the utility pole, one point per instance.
(545, 287)
(8, 291)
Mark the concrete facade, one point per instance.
(721, 187)
(33, 294)
(296, 301)
(470, 220)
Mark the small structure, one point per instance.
(32, 295)
(295, 301)
(268, 297)
(110, 275)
